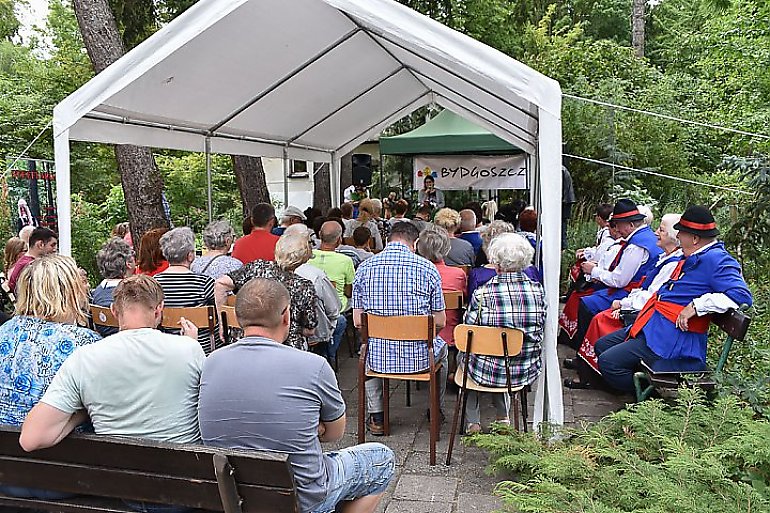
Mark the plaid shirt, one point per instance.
(398, 282)
(509, 300)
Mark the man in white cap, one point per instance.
(292, 215)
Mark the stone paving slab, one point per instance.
(426, 488)
(475, 503)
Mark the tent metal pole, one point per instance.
(284, 79)
(382, 183)
(334, 179)
(285, 176)
(347, 103)
(208, 179)
(372, 127)
(199, 132)
(61, 144)
(448, 70)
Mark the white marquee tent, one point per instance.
(311, 80)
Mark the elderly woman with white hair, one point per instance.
(289, 256)
(625, 310)
(509, 300)
(218, 237)
(485, 271)
(331, 325)
(182, 287)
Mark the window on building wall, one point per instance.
(298, 169)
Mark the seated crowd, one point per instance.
(639, 295)
(297, 286)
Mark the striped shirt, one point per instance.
(509, 300)
(398, 282)
(189, 289)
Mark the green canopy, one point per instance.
(446, 134)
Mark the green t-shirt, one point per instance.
(338, 268)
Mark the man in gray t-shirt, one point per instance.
(260, 394)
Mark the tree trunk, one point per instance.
(322, 194)
(142, 182)
(250, 176)
(346, 173)
(637, 27)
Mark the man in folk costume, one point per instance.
(674, 323)
(638, 252)
(623, 311)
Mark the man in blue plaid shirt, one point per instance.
(398, 282)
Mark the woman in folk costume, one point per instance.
(604, 240)
(636, 257)
(613, 318)
(673, 324)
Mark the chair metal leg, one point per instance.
(361, 405)
(409, 393)
(524, 407)
(455, 418)
(435, 416)
(642, 394)
(386, 405)
(515, 408)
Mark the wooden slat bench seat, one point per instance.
(102, 470)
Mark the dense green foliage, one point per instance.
(689, 458)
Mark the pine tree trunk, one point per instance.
(346, 174)
(637, 27)
(322, 197)
(250, 176)
(142, 182)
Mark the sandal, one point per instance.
(575, 384)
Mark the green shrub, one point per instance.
(650, 458)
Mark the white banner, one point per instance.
(459, 172)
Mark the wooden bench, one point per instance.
(101, 470)
(666, 376)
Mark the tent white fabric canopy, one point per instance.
(311, 80)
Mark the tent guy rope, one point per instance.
(653, 173)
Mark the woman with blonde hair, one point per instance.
(461, 251)
(367, 216)
(14, 249)
(51, 303)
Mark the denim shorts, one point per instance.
(357, 472)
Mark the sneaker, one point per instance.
(375, 428)
(473, 429)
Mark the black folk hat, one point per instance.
(626, 210)
(697, 219)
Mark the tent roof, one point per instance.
(311, 80)
(312, 76)
(447, 133)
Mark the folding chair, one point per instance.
(230, 301)
(486, 341)
(102, 316)
(203, 317)
(229, 320)
(397, 329)
(666, 376)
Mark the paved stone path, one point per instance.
(463, 487)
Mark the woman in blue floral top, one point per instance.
(51, 300)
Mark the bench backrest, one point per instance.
(187, 475)
(735, 324)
